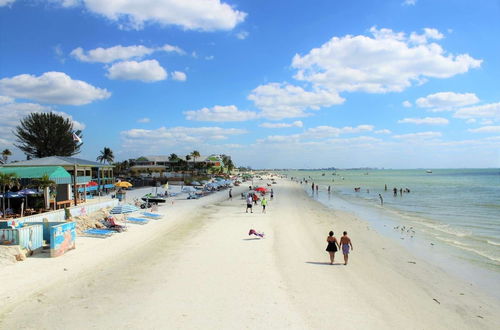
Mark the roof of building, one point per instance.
(57, 161)
(55, 173)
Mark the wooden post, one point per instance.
(75, 190)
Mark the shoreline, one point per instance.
(199, 268)
(383, 221)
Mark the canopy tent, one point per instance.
(55, 173)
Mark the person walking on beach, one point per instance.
(317, 188)
(255, 198)
(381, 199)
(272, 194)
(249, 203)
(263, 203)
(329, 189)
(331, 248)
(345, 243)
(230, 194)
(312, 186)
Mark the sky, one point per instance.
(274, 84)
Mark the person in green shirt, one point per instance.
(263, 203)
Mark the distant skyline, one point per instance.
(274, 84)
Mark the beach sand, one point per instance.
(198, 268)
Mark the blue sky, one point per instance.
(274, 84)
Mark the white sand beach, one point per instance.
(198, 268)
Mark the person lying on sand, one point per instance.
(109, 223)
(256, 233)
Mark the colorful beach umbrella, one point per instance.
(261, 189)
(123, 184)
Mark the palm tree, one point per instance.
(106, 156)
(47, 134)
(7, 180)
(195, 154)
(230, 165)
(44, 183)
(173, 158)
(5, 155)
(188, 158)
(225, 161)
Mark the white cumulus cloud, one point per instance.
(179, 76)
(52, 88)
(145, 141)
(418, 136)
(144, 120)
(220, 113)
(383, 131)
(407, 104)
(409, 2)
(6, 99)
(111, 54)
(204, 15)
(296, 123)
(279, 101)
(146, 71)
(485, 129)
(120, 53)
(486, 112)
(425, 121)
(386, 62)
(242, 35)
(172, 49)
(6, 2)
(446, 100)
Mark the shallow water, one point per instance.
(455, 212)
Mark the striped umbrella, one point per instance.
(126, 208)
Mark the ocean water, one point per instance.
(455, 212)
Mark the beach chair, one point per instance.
(152, 215)
(100, 233)
(137, 221)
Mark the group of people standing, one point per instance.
(252, 199)
(345, 245)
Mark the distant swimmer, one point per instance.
(385, 187)
(331, 248)
(317, 188)
(345, 244)
(395, 191)
(381, 199)
(401, 191)
(312, 186)
(329, 189)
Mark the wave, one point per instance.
(465, 247)
(492, 243)
(446, 229)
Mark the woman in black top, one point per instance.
(332, 246)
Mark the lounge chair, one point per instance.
(152, 215)
(137, 221)
(101, 233)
